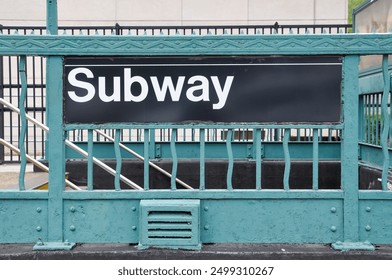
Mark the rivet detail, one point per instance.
(72, 209)
(38, 228)
(72, 228)
(333, 229)
(368, 228)
(333, 210)
(368, 209)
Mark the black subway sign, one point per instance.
(219, 89)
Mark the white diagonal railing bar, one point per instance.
(75, 147)
(153, 165)
(36, 163)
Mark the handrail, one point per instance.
(36, 162)
(75, 147)
(164, 172)
(98, 162)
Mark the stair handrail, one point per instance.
(74, 147)
(95, 160)
(36, 163)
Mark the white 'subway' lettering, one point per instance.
(199, 90)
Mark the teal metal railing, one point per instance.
(22, 136)
(36, 65)
(58, 217)
(228, 148)
(375, 118)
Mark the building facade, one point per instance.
(177, 12)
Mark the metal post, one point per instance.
(51, 28)
(117, 29)
(350, 181)
(56, 147)
(1, 106)
(51, 17)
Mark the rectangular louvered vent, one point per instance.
(170, 223)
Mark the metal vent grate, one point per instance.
(170, 223)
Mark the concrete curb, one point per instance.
(208, 252)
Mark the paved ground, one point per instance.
(208, 252)
(9, 175)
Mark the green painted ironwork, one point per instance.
(350, 148)
(315, 172)
(170, 223)
(175, 159)
(117, 152)
(311, 44)
(229, 176)
(261, 215)
(55, 146)
(146, 159)
(90, 162)
(385, 122)
(202, 159)
(23, 120)
(287, 160)
(258, 158)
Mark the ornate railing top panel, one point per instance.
(310, 44)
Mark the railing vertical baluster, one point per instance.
(43, 113)
(33, 97)
(390, 120)
(146, 160)
(386, 124)
(369, 127)
(2, 155)
(229, 177)
(1, 107)
(202, 159)
(90, 163)
(287, 163)
(152, 142)
(23, 128)
(117, 152)
(315, 158)
(373, 119)
(258, 157)
(368, 135)
(377, 103)
(361, 118)
(174, 156)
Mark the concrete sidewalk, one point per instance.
(208, 252)
(9, 175)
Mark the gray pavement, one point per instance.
(9, 175)
(208, 252)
